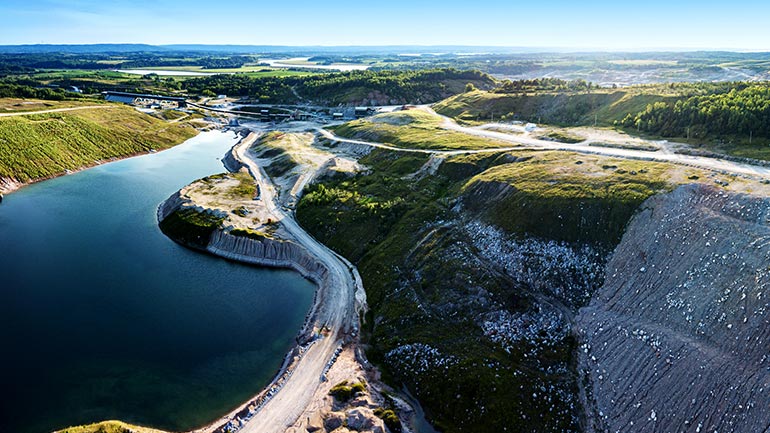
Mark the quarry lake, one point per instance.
(103, 317)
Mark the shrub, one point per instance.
(389, 418)
(343, 392)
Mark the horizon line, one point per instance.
(530, 48)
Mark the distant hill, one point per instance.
(349, 49)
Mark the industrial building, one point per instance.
(135, 98)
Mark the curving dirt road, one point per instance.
(675, 158)
(523, 142)
(337, 310)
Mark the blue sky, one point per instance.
(614, 25)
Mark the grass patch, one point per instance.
(389, 418)
(280, 166)
(564, 196)
(630, 146)
(108, 427)
(748, 151)
(251, 234)
(271, 145)
(412, 129)
(37, 146)
(344, 392)
(171, 115)
(562, 137)
(246, 188)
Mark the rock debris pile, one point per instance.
(566, 272)
(677, 339)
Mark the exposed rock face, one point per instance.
(9, 184)
(231, 162)
(333, 421)
(678, 337)
(264, 252)
(174, 202)
(363, 419)
(267, 252)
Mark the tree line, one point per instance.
(404, 86)
(543, 85)
(27, 63)
(46, 93)
(726, 109)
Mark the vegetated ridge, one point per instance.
(347, 88)
(39, 146)
(733, 115)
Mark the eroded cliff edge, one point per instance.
(677, 339)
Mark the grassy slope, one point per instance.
(190, 227)
(10, 105)
(413, 129)
(268, 146)
(42, 145)
(604, 105)
(569, 197)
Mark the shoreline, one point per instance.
(10, 185)
(236, 251)
(286, 252)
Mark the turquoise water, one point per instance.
(103, 317)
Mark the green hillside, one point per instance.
(432, 271)
(412, 129)
(37, 146)
(727, 117)
(580, 108)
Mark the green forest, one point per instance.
(741, 109)
(345, 87)
(708, 112)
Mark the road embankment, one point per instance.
(281, 249)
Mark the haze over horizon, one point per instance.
(592, 25)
